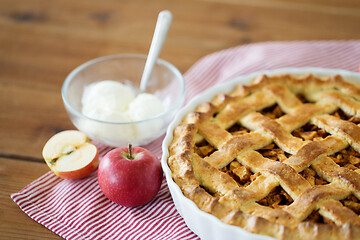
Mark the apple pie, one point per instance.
(277, 157)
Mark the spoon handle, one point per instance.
(162, 26)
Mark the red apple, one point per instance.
(130, 176)
(71, 155)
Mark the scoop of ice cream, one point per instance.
(144, 106)
(108, 95)
(111, 101)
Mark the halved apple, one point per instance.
(71, 155)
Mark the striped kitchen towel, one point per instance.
(78, 209)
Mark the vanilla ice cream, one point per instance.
(112, 101)
(144, 106)
(106, 96)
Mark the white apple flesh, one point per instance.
(130, 180)
(71, 155)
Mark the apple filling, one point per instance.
(353, 203)
(272, 112)
(241, 174)
(273, 152)
(204, 149)
(316, 217)
(343, 115)
(310, 132)
(277, 198)
(348, 158)
(238, 129)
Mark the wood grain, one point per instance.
(14, 224)
(42, 41)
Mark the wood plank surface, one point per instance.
(41, 41)
(14, 224)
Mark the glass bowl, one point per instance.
(166, 82)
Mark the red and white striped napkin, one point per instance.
(79, 210)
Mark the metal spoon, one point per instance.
(162, 26)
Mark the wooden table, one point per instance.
(41, 41)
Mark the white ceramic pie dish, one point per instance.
(205, 225)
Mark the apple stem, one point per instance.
(130, 152)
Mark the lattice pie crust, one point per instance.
(279, 157)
